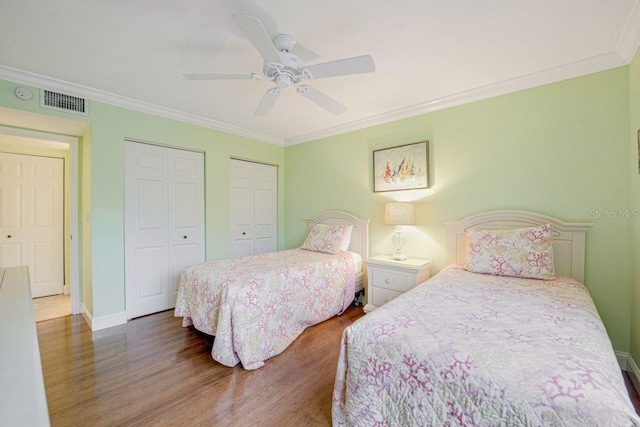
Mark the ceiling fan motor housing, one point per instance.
(288, 72)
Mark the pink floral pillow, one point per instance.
(326, 238)
(522, 252)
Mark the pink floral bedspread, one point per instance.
(467, 349)
(256, 306)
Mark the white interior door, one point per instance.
(164, 223)
(31, 219)
(254, 195)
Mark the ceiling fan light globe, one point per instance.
(284, 42)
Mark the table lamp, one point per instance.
(399, 214)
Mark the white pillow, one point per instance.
(346, 238)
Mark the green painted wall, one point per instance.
(110, 126)
(560, 149)
(634, 108)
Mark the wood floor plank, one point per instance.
(152, 371)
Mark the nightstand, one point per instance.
(387, 278)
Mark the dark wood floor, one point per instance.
(633, 393)
(153, 372)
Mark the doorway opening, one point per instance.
(36, 143)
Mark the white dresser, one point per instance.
(387, 278)
(23, 401)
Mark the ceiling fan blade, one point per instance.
(269, 98)
(342, 67)
(324, 101)
(256, 33)
(191, 76)
(304, 53)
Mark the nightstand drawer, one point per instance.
(392, 280)
(388, 278)
(382, 296)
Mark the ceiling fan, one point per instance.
(283, 67)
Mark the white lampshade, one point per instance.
(399, 213)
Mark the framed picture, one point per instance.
(401, 168)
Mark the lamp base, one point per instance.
(398, 241)
(399, 256)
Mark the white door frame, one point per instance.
(74, 244)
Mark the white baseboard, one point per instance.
(103, 322)
(627, 363)
(623, 359)
(88, 317)
(634, 373)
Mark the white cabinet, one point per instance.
(388, 278)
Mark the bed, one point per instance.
(256, 306)
(477, 349)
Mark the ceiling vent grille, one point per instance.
(62, 102)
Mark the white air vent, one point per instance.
(62, 102)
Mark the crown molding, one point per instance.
(630, 37)
(575, 69)
(626, 48)
(49, 83)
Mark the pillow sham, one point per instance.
(346, 237)
(325, 238)
(521, 252)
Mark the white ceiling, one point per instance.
(429, 54)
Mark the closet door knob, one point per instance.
(244, 233)
(9, 236)
(184, 237)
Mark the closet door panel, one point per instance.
(242, 208)
(186, 214)
(164, 223)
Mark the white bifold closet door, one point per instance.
(254, 208)
(164, 223)
(32, 219)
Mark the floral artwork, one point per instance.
(401, 168)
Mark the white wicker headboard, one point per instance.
(568, 238)
(359, 235)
